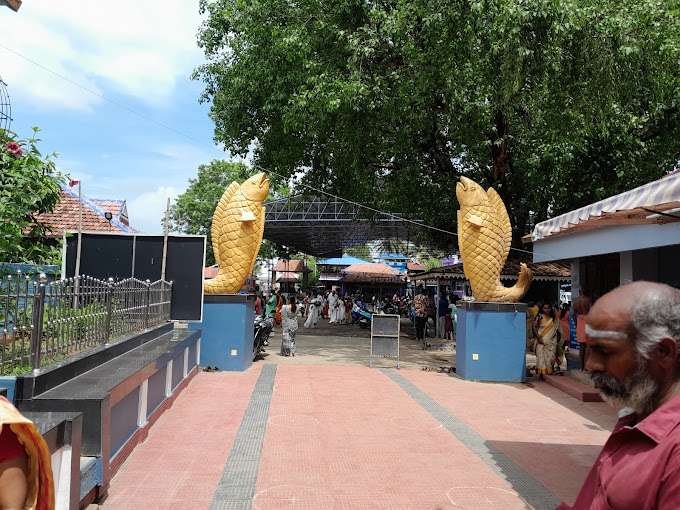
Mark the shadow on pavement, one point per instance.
(596, 412)
(560, 468)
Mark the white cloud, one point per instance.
(138, 48)
(147, 210)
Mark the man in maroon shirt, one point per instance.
(633, 337)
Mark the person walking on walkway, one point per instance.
(289, 321)
(312, 313)
(421, 309)
(582, 306)
(348, 310)
(341, 310)
(333, 307)
(280, 301)
(548, 337)
(324, 306)
(271, 306)
(442, 314)
(451, 317)
(431, 310)
(633, 338)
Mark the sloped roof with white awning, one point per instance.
(655, 203)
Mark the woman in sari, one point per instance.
(280, 301)
(289, 320)
(25, 464)
(549, 342)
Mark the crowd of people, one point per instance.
(441, 309)
(549, 327)
(310, 307)
(432, 315)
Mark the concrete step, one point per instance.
(572, 387)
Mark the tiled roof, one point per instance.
(65, 215)
(369, 272)
(116, 207)
(289, 266)
(287, 279)
(415, 266)
(550, 271)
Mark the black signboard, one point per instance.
(122, 256)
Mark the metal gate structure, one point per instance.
(323, 226)
(385, 331)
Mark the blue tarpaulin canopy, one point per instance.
(340, 261)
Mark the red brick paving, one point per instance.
(346, 436)
(548, 433)
(181, 461)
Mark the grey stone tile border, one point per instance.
(531, 490)
(236, 487)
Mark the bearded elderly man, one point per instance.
(633, 337)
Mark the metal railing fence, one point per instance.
(42, 323)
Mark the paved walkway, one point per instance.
(346, 343)
(347, 436)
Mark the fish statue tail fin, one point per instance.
(219, 285)
(514, 294)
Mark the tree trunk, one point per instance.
(501, 174)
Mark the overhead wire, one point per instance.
(178, 132)
(373, 209)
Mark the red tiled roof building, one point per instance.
(64, 217)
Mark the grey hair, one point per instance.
(654, 317)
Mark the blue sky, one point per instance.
(139, 53)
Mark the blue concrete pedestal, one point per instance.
(491, 341)
(227, 331)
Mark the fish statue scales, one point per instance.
(236, 231)
(484, 237)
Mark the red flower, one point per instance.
(14, 149)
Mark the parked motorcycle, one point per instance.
(361, 316)
(262, 330)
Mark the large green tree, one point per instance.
(555, 103)
(29, 185)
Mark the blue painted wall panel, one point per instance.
(497, 338)
(156, 391)
(177, 369)
(227, 325)
(124, 420)
(192, 356)
(9, 383)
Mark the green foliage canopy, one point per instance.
(556, 104)
(29, 185)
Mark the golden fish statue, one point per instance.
(484, 236)
(236, 231)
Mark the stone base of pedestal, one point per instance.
(227, 331)
(491, 341)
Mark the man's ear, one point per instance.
(667, 351)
